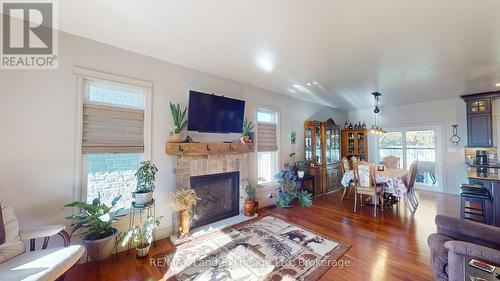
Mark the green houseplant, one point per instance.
(146, 176)
(301, 168)
(95, 221)
(142, 236)
(180, 122)
(288, 190)
(247, 130)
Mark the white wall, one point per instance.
(37, 123)
(442, 112)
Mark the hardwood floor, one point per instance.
(392, 246)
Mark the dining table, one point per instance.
(392, 178)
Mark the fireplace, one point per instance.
(219, 194)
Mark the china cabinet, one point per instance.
(355, 144)
(322, 150)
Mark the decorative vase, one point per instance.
(143, 198)
(142, 250)
(249, 207)
(175, 138)
(184, 223)
(301, 174)
(100, 249)
(246, 139)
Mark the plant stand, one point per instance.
(139, 209)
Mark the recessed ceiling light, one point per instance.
(308, 84)
(315, 83)
(296, 86)
(265, 61)
(497, 84)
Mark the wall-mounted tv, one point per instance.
(215, 114)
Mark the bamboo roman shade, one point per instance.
(266, 137)
(108, 129)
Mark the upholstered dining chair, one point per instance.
(391, 162)
(365, 184)
(409, 181)
(42, 265)
(344, 165)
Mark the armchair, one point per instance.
(45, 264)
(458, 238)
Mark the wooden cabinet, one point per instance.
(322, 150)
(479, 118)
(479, 123)
(355, 144)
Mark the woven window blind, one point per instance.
(108, 129)
(266, 137)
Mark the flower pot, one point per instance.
(246, 139)
(143, 198)
(255, 207)
(301, 174)
(175, 138)
(100, 249)
(142, 250)
(249, 207)
(184, 222)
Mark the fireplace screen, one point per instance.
(219, 194)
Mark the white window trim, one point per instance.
(82, 74)
(278, 137)
(439, 127)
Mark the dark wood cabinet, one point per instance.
(479, 130)
(479, 122)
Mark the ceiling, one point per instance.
(410, 51)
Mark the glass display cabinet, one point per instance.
(322, 150)
(355, 144)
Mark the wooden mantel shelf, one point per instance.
(199, 149)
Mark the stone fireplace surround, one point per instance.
(189, 166)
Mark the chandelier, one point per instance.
(376, 128)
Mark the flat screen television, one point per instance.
(215, 114)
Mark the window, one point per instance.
(114, 137)
(411, 145)
(267, 146)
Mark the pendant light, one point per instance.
(376, 129)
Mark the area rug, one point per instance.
(263, 249)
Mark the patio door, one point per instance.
(422, 143)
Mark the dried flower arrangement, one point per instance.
(183, 199)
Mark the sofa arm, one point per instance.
(458, 250)
(469, 231)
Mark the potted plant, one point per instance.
(95, 221)
(142, 236)
(301, 169)
(183, 201)
(179, 122)
(145, 175)
(250, 202)
(288, 191)
(247, 130)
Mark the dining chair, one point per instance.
(345, 168)
(409, 181)
(365, 184)
(391, 162)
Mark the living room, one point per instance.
(287, 103)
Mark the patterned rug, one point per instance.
(263, 249)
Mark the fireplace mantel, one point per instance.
(200, 149)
